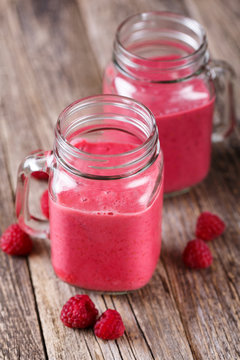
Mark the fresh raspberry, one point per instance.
(109, 326)
(45, 204)
(15, 241)
(209, 226)
(197, 254)
(79, 312)
(40, 175)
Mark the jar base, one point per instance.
(103, 292)
(98, 292)
(177, 192)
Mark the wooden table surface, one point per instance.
(53, 52)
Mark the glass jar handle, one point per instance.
(32, 225)
(222, 75)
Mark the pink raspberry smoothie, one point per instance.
(184, 113)
(104, 237)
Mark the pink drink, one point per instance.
(183, 112)
(106, 239)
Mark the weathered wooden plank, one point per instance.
(19, 325)
(33, 61)
(56, 45)
(221, 21)
(101, 19)
(208, 300)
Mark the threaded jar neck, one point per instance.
(160, 47)
(106, 119)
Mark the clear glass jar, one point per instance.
(161, 59)
(105, 194)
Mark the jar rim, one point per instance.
(61, 142)
(87, 101)
(122, 55)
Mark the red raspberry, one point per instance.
(109, 326)
(209, 226)
(40, 175)
(15, 241)
(45, 204)
(197, 254)
(79, 312)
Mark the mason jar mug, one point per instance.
(105, 194)
(162, 60)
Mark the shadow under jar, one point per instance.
(105, 194)
(161, 59)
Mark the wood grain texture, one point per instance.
(19, 325)
(53, 53)
(223, 28)
(102, 18)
